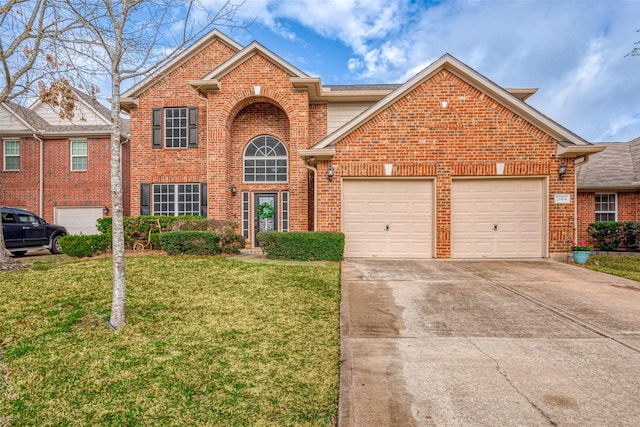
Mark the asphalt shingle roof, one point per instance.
(617, 167)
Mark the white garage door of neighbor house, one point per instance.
(497, 218)
(78, 220)
(388, 218)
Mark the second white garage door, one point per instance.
(388, 218)
(497, 218)
(78, 220)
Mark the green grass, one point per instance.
(208, 341)
(623, 266)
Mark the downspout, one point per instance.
(40, 178)
(206, 112)
(306, 164)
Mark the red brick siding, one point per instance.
(61, 186)
(628, 210)
(229, 130)
(420, 138)
(149, 165)
(228, 120)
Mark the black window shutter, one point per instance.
(145, 198)
(203, 199)
(193, 127)
(156, 141)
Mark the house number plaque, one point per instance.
(561, 199)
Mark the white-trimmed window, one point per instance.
(265, 160)
(175, 127)
(176, 199)
(606, 207)
(78, 155)
(11, 155)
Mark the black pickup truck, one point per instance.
(24, 231)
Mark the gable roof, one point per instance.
(211, 81)
(615, 169)
(574, 145)
(172, 65)
(36, 124)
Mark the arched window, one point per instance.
(265, 160)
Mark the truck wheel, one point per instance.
(55, 245)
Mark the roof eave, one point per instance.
(318, 153)
(574, 151)
(317, 93)
(205, 86)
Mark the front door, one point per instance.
(265, 209)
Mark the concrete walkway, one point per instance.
(488, 343)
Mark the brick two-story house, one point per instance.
(447, 164)
(59, 167)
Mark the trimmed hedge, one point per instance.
(190, 242)
(303, 245)
(85, 245)
(613, 235)
(230, 242)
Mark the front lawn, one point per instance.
(209, 341)
(623, 266)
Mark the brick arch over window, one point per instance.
(250, 122)
(275, 99)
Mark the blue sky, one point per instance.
(573, 51)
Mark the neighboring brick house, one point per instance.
(609, 186)
(59, 168)
(446, 165)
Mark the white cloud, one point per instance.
(573, 51)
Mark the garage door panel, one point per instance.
(516, 206)
(78, 220)
(404, 205)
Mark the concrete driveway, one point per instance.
(488, 343)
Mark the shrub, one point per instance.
(631, 234)
(190, 242)
(230, 242)
(85, 246)
(607, 234)
(303, 245)
(136, 226)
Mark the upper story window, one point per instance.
(78, 155)
(265, 160)
(11, 155)
(175, 127)
(606, 207)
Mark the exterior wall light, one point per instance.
(330, 173)
(105, 210)
(562, 170)
(234, 190)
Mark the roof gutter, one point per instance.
(40, 177)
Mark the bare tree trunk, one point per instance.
(4, 256)
(118, 309)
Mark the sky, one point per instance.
(573, 51)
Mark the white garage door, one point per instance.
(497, 218)
(78, 220)
(387, 218)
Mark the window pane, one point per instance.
(78, 155)
(175, 127)
(11, 155)
(605, 207)
(12, 163)
(265, 160)
(12, 148)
